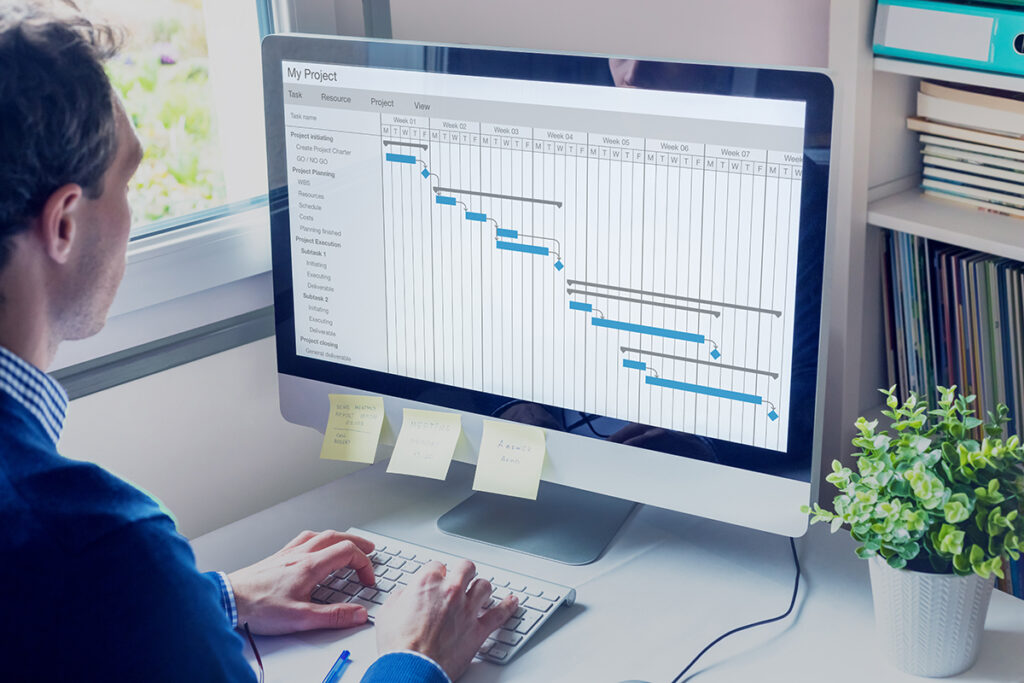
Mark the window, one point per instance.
(191, 78)
(191, 81)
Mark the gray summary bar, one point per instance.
(493, 195)
(626, 349)
(400, 143)
(777, 314)
(642, 301)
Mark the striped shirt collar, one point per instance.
(37, 392)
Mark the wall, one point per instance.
(206, 438)
(781, 32)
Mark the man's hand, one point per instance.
(442, 615)
(273, 594)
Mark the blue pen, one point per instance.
(338, 669)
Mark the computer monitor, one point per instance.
(626, 253)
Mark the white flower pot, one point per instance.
(929, 624)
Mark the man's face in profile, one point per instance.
(103, 225)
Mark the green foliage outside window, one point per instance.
(163, 76)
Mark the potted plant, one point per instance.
(935, 512)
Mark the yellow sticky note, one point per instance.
(426, 443)
(511, 458)
(353, 428)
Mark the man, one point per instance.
(95, 583)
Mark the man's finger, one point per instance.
(300, 539)
(343, 554)
(341, 615)
(462, 573)
(433, 570)
(478, 595)
(330, 537)
(499, 614)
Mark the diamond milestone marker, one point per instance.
(715, 354)
(773, 416)
(558, 265)
(425, 173)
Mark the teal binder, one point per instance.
(969, 36)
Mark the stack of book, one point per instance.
(973, 146)
(956, 317)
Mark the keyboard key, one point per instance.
(499, 582)
(407, 556)
(385, 585)
(396, 562)
(352, 588)
(370, 607)
(393, 575)
(513, 624)
(379, 598)
(498, 652)
(486, 647)
(517, 587)
(551, 597)
(411, 567)
(389, 551)
(538, 604)
(338, 584)
(337, 597)
(519, 612)
(535, 592)
(367, 594)
(321, 594)
(508, 637)
(528, 621)
(380, 570)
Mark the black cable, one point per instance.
(792, 601)
(589, 424)
(252, 643)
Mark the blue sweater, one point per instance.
(96, 584)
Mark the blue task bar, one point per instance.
(581, 306)
(400, 158)
(634, 364)
(505, 232)
(450, 201)
(707, 391)
(525, 248)
(474, 216)
(647, 329)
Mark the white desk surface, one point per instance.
(668, 585)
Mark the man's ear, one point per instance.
(56, 225)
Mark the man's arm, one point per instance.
(141, 611)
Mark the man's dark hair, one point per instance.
(57, 122)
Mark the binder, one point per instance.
(969, 36)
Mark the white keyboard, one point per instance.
(396, 562)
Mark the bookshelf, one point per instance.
(936, 72)
(876, 172)
(877, 163)
(908, 211)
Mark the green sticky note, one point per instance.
(426, 443)
(511, 459)
(354, 427)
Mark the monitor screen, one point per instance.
(630, 251)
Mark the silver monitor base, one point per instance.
(564, 524)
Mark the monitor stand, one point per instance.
(564, 524)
